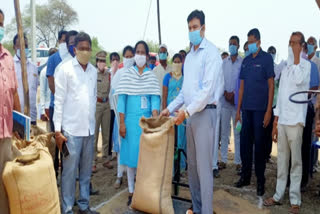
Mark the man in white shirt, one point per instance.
(231, 68)
(74, 121)
(33, 79)
(289, 122)
(163, 68)
(201, 91)
(45, 94)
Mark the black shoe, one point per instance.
(88, 211)
(129, 200)
(94, 192)
(216, 173)
(260, 190)
(241, 183)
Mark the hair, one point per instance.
(146, 47)
(127, 48)
(235, 38)
(314, 40)
(81, 37)
(272, 48)
(17, 36)
(61, 33)
(114, 54)
(2, 13)
(254, 32)
(153, 58)
(225, 54)
(298, 33)
(245, 44)
(177, 55)
(69, 34)
(52, 51)
(198, 14)
(183, 52)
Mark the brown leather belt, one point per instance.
(102, 100)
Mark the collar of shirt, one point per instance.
(16, 59)
(3, 51)
(203, 45)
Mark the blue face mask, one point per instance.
(246, 53)
(27, 52)
(253, 48)
(70, 48)
(163, 56)
(195, 37)
(1, 33)
(152, 66)
(273, 56)
(233, 50)
(310, 49)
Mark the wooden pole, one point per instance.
(22, 58)
(159, 29)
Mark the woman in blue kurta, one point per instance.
(172, 84)
(138, 95)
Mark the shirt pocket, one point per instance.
(258, 73)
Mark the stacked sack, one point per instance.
(30, 179)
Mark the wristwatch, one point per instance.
(186, 114)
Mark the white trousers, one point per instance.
(289, 144)
(228, 115)
(120, 167)
(131, 172)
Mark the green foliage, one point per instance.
(51, 17)
(153, 46)
(95, 49)
(8, 45)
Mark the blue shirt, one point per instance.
(255, 72)
(53, 62)
(203, 79)
(314, 75)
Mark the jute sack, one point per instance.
(30, 182)
(154, 173)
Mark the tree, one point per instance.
(51, 17)
(153, 46)
(95, 49)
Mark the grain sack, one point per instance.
(30, 182)
(154, 173)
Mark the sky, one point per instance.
(117, 23)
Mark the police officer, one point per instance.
(102, 108)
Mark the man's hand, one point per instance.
(47, 112)
(122, 130)
(44, 117)
(238, 118)
(267, 118)
(317, 129)
(275, 132)
(165, 113)
(181, 116)
(60, 139)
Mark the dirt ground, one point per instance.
(104, 179)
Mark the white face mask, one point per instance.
(128, 62)
(63, 50)
(140, 60)
(290, 59)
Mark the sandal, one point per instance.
(270, 202)
(294, 209)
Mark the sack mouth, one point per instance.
(158, 124)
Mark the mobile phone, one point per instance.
(65, 150)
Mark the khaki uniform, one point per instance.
(102, 112)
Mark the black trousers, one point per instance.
(252, 132)
(56, 157)
(306, 144)
(269, 137)
(111, 132)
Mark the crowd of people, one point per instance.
(206, 92)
